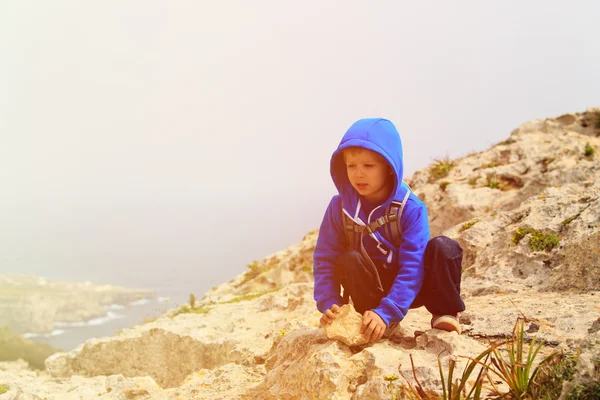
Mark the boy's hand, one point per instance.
(372, 326)
(329, 315)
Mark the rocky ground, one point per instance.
(527, 214)
(33, 304)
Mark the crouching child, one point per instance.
(374, 241)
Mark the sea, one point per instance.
(67, 336)
(175, 252)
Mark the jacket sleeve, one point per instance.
(330, 244)
(408, 282)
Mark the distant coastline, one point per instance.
(36, 307)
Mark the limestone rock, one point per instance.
(292, 265)
(492, 253)
(587, 372)
(18, 365)
(305, 364)
(346, 327)
(444, 343)
(31, 386)
(537, 155)
(229, 381)
(169, 349)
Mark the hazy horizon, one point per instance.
(167, 145)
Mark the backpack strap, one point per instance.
(396, 208)
(354, 234)
(352, 230)
(391, 221)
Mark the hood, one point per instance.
(375, 134)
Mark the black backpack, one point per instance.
(390, 222)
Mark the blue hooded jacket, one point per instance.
(406, 262)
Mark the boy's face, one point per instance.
(368, 173)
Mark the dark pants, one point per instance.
(440, 292)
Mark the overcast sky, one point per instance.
(168, 144)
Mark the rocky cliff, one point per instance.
(527, 214)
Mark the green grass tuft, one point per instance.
(4, 388)
(539, 241)
(589, 150)
(191, 310)
(571, 219)
(548, 160)
(585, 392)
(514, 366)
(250, 296)
(255, 269)
(307, 268)
(507, 142)
(508, 370)
(492, 164)
(466, 226)
(444, 185)
(493, 182)
(558, 369)
(473, 181)
(440, 169)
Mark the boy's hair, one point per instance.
(355, 150)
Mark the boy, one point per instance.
(385, 264)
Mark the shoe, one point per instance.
(447, 323)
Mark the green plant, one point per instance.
(250, 296)
(473, 181)
(571, 219)
(457, 389)
(558, 369)
(539, 241)
(391, 388)
(255, 269)
(466, 226)
(510, 362)
(516, 369)
(440, 169)
(307, 268)
(492, 164)
(443, 185)
(4, 388)
(507, 142)
(452, 389)
(192, 300)
(585, 392)
(493, 182)
(149, 318)
(189, 310)
(548, 160)
(589, 150)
